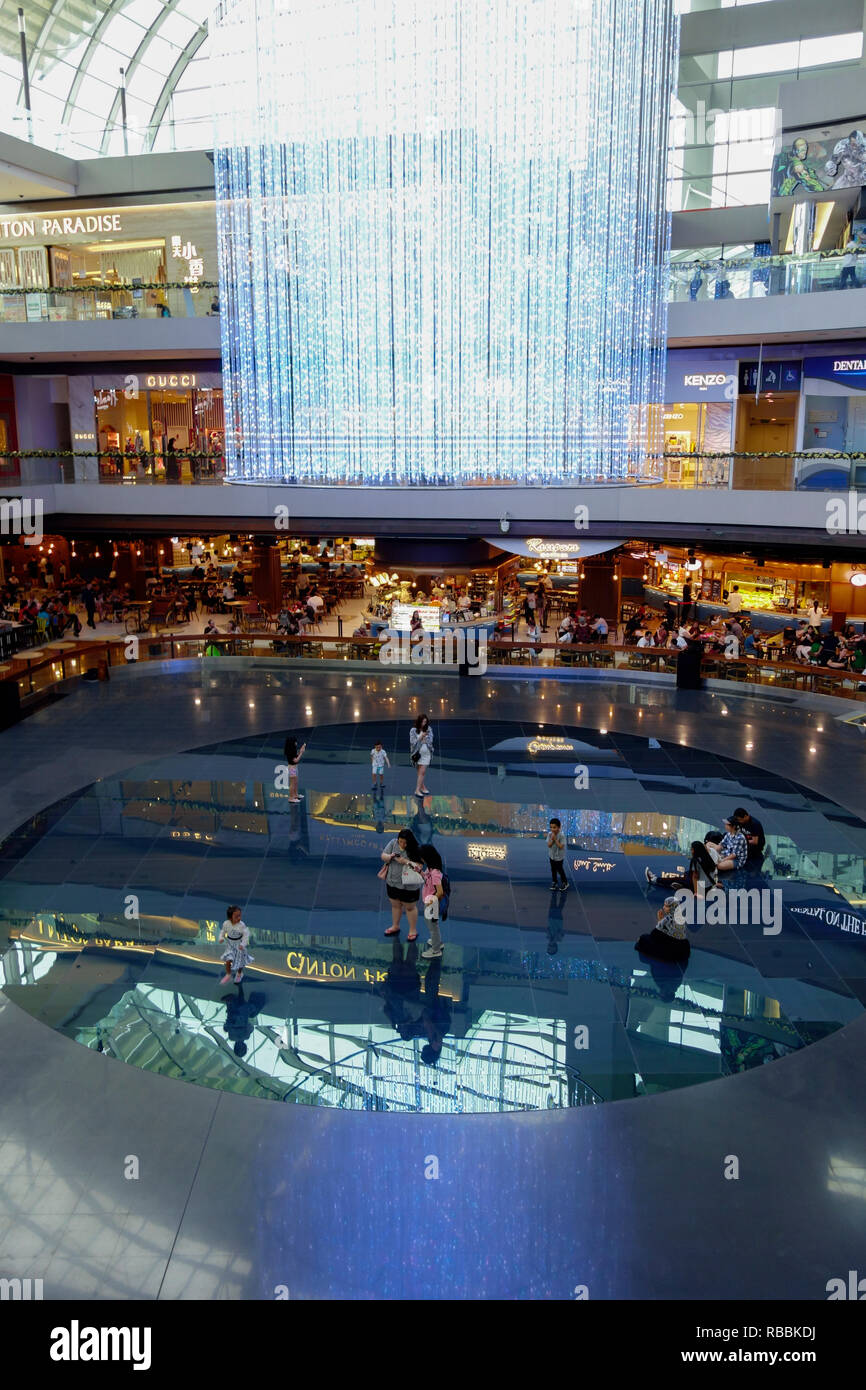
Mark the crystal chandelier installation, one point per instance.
(442, 238)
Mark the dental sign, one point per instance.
(847, 371)
(51, 225)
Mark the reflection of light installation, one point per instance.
(442, 237)
(480, 854)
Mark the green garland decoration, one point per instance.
(195, 454)
(123, 288)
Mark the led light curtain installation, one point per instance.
(442, 237)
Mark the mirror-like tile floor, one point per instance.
(111, 903)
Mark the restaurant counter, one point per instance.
(762, 620)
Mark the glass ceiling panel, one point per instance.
(124, 35)
(60, 34)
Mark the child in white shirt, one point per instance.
(380, 760)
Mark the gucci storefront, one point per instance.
(165, 425)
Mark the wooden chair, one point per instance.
(161, 614)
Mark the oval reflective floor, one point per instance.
(111, 903)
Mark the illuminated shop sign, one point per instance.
(161, 380)
(848, 371)
(704, 379)
(49, 225)
(699, 381)
(312, 968)
(195, 264)
(550, 744)
(552, 550)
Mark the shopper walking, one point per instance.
(88, 598)
(401, 870)
(421, 752)
(556, 852)
(236, 935)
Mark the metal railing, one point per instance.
(36, 670)
(760, 277)
(800, 471)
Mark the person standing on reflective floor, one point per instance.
(293, 755)
(431, 895)
(380, 760)
(421, 751)
(236, 935)
(556, 852)
(403, 881)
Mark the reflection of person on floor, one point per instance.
(555, 925)
(401, 992)
(297, 831)
(422, 824)
(667, 977)
(240, 1013)
(668, 939)
(436, 1018)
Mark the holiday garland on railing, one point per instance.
(115, 454)
(762, 262)
(123, 288)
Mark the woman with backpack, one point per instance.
(432, 894)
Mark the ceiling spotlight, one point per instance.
(505, 524)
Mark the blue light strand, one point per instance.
(443, 238)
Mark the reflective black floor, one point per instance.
(111, 902)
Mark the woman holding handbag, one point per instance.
(403, 881)
(421, 751)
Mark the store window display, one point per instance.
(160, 435)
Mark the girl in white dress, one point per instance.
(236, 935)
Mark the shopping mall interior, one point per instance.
(398, 484)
